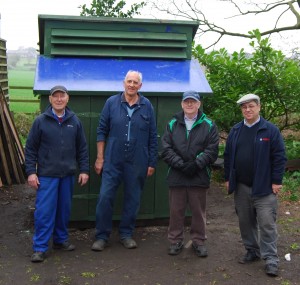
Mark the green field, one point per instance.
(22, 78)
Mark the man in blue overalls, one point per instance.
(127, 131)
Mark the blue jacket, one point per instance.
(269, 158)
(54, 149)
(132, 139)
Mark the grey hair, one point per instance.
(135, 71)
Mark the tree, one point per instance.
(110, 8)
(194, 10)
(267, 73)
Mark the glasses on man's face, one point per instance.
(190, 102)
(246, 107)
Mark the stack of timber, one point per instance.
(12, 158)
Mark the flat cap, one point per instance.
(191, 94)
(58, 88)
(248, 98)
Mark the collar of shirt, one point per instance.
(59, 118)
(123, 100)
(186, 119)
(251, 125)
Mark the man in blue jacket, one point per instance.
(55, 145)
(127, 130)
(254, 161)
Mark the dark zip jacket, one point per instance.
(132, 139)
(269, 158)
(54, 149)
(201, 144)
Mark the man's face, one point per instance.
(250, 111)
(59, 101)
(132, 84)
(190, 107)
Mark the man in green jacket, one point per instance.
(190, 145)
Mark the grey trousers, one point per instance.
(257, 221)
(179, 199)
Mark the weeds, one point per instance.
(291, 186)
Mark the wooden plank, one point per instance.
(8, 140)
(119, 42)
(13, 129)
(117, 34)
(3, 158)
(20, 149)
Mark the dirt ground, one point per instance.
(149, 264)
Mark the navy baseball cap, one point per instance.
(191, 94)
(58, 88)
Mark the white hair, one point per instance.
(137, 72)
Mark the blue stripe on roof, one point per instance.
(107, 74)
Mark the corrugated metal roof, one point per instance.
(106, 75)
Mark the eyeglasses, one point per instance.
(250, 107)
(191, 102)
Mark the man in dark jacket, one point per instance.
(55, 145)
(190, 145)
(126, 152)
(254, 161)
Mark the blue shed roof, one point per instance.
(103, 75)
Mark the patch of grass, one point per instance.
(22, 78)
(291, 186)
(35, 278)
(294, 246)
(19, 77)
(64, 280)
(88, 274)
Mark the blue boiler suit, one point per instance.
(130, 148)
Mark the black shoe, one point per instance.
(175, 248)
(99, 245)
(38, 256)
(271, 269)
(64, 246)
(200, 250)
(249, 257)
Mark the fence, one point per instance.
(21, 100)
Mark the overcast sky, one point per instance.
(19, 22)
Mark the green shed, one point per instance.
(91, 56)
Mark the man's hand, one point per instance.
(33, 181)
(190, 168)
(150, 171)
(83, 179)
(276, 188)
(99, 165)
(227, 185)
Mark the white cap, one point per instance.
(248, 98)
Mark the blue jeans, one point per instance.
(133, 181)
(52, 211)
(257, 221)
